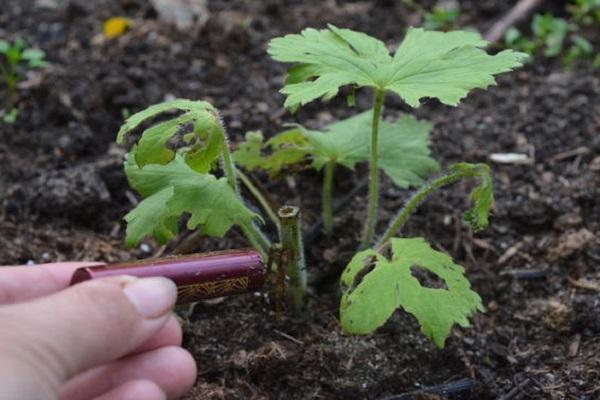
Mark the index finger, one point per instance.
(22, 283)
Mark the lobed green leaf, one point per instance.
(432, 64)
(403, 148)
(375, 287)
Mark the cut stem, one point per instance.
(293, 260)
(328, 197)
(258, 196)
(369, 231)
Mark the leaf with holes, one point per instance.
(374, 287)
(195, 131)
(433, 64)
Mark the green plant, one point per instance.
(331, 58)
(171, 165)
(444, 18)
(10, 116)
(15, 59)
(557, 37)
(441, 18)
(586, 12)
(403, 152)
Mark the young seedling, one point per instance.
(403, 152)
(15, 59)
(557, 37)
(171, 166)
(427, 64)
(442, 18)
(586, 12)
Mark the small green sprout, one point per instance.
(10, 117)
(586, 12)
(558, 37)
(442, 18)
(15, 59)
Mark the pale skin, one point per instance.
(108, 339)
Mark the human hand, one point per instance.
(106, 339)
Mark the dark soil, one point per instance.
(64, 193)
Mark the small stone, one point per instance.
(184, 14)
(569, 220)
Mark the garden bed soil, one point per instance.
(536, 268)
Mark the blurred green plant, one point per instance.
(442, 19)
(15, 59)
(439, 18)
(558, 37)
(585, 11)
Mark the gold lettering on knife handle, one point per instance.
(212, 289)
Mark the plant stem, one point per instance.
(259, 197)
(369, 231)
(228, 164)
(255, 236)
(291, 242)
(414, 201)
(328, 197)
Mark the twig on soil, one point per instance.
(516, 14)
(583, 283)
(510, 253)
(514, 391)
(526, 274)
(445, 389)
(574, 345)
(131, 197)
(570, 153)
(289, 337)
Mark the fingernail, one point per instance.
(152, 297)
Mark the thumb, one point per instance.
(47, 341)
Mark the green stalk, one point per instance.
(415, 200)
(259, 197)
(328, 197)
(293, 261)
(255, 236)
(369, 231)
(9, 77)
